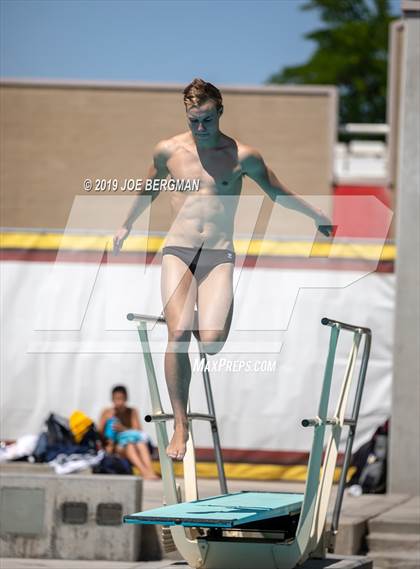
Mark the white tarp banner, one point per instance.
(66, 342)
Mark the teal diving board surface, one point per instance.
(225, 511)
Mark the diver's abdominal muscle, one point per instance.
(196, 233)
(195, 225)
(203, 218)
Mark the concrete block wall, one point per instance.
(69, 517)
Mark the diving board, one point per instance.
(225, 511)
(264, 530)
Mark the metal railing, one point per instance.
(158, 416)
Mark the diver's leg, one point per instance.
(179, 293)
(215, 307)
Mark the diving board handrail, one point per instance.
(331, 452)
(167, 469)
(160, 417)
(352, 423)
(213, 424)
(307, 516)
(318, 488)
(344, 326)
(169, 417)
(132, 316)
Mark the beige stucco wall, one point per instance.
(56, 135)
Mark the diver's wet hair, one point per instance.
(200, 91)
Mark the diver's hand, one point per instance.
(119, 238)
(323, 224)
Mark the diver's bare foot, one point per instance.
(178, 447)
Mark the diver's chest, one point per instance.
(219, 177)
(220, 170)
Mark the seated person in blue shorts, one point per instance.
(120, 426)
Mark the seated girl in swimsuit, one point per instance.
(120, 426)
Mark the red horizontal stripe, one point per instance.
(254, 456)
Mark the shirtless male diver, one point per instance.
(198, 257)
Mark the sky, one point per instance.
(163, 41)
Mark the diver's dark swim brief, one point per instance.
(200, 261)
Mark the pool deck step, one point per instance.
(400, 560)
(394, 536)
